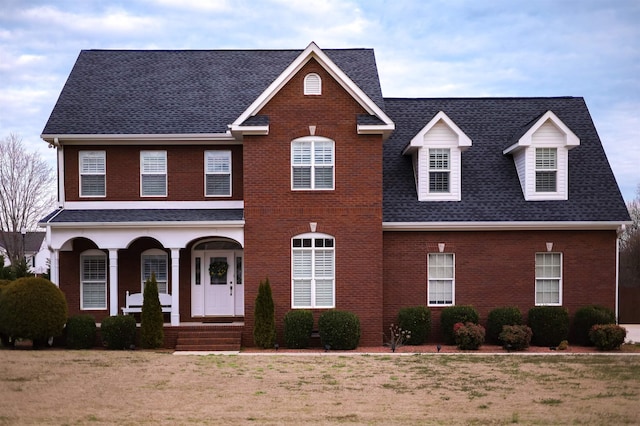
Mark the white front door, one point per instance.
(216, 284)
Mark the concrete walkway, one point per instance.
(633, 333)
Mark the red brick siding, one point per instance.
(351, 213)
(497, 269)
(185, 172)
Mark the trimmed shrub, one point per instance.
(417, 321)
(4, 339)
(607, 337)
(452, 315)
(118, 332)
(515, 337)
(468, 336)
(298, 326)
(32, 308)
(80, 332)
(151, 319)
(585, 318)
(264, 328)
(549, 324)
(339, 330)
(498, 318)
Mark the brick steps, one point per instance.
(215, 339)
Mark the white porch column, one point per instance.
(175, 286)
(113, 282)
(54, 266)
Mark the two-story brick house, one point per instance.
(217, 169)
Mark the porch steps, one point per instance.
(213, 339)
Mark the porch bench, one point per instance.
(134, 301)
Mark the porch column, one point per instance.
(54, 267)
(175, 286)
(113, 282)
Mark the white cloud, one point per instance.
(195, 5)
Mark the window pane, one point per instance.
(302, 177)
(301, 293)
(218, 184)
(324, 177)
(439, 159)
(218, 162)
(323, 152)
(324, 263)
(546, 158)
(324, 293)
(441, 273)
(94, 268)
(438, 181)
(154, 264)
(154, 162)
(93, 163)
(93, 282)
(92, 185)
(546, 182)
(302, 263)
(301, 154)
(93, 295)
(154, 185)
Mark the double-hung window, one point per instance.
(312, 163)
(313, 271)
(218, 173)
(92, 173)
(546, 169)
(548, 278)
(439, 170)
(154, 262)
(153, 173)
(93, 280)
(441, 271)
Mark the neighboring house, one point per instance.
(35, 249)
(218, 169)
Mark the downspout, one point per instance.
(620, 231)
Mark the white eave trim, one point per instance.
(138, 138)
(313, 51)
(571, 140)
(500, 226)
(417, 141)
(149, 224)
(248, 130)
(376, 129)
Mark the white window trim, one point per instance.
(93, 253)
(81, 156)
(142, 172)
(312, 165)
(560, 279)
(545, 170)
(453, 283)
(154, 252)
(207, 173)
(312, 90)
(419, 149)
(313, 278)
(438, 170)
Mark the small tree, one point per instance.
(264, 327)
(151, 332)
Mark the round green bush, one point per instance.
(298, 326)
(515, 337)
(339, 330)
(118, 332)
(417, 320)
(452, 315)
(32, 308)
(498, 318)
(549, 324)
(585, 318)
(80, 332)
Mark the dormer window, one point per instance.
(437, 159)
(312, 84)
(541, 157)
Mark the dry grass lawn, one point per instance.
(144, 387)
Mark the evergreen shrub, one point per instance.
(80, 332)
(452, 315)
(264, 328)
(339, 330)
(118, 332)
(585, 318)
(549, 324)
(468, 336)
(417, 321)
(32, 308)
(498, 318)
(151, 318)
(607, 337)
(515, 337)
(298, 326)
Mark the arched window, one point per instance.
(93, 280)
(312, 84)
(313, 271)
(154, 261)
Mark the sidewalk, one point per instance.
(633, 332)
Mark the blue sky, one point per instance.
(424, 48)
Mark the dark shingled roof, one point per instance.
(181, 91)
(143, 215)
(491, 190)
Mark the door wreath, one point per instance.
(218, 269)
